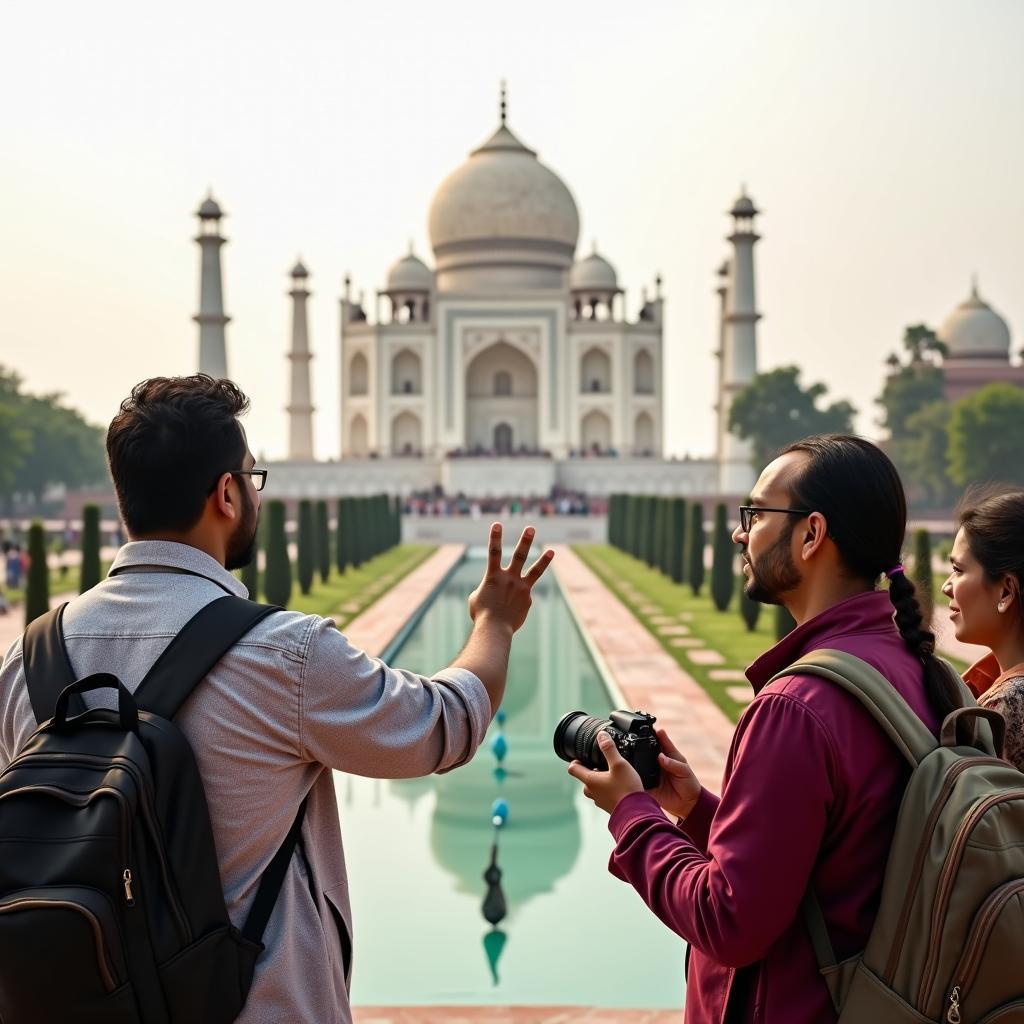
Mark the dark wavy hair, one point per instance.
(168, 445)
(855, 486)
(993, 523)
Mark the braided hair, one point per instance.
(855, 486)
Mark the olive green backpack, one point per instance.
(948, 942)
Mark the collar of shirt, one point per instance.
(174, 556)
(870, 612)
(985, 673)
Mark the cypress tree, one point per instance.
(723, 552)
(677, 560)
(356, 533)
(307, 545)
(695, 548)
(613, 500)
(921, 574)
(647, 541)
(784, 622)
(89, 573)
(251, 573)
(630, 510)
(277, 576)
(323, 541)
(341, 552)
(37, 586)
(657, 534)
(398, 520)
(639, 526)
(667, 537)
(382, 522)
(750, 611)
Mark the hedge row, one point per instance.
(669, 535)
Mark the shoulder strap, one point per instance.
(47, 666)
(876, 693)
(272, 881)
(188, 658)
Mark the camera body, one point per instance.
(631, 731)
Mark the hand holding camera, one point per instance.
(624, 754)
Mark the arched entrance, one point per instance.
(503, 439)
(501, 391)
(357, 436)
(405, 435)
(643, 434)
(596, 432)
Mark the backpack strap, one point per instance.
(47, 666)
(272, 881)
(881, 699)
(189, 657)
(184, 664)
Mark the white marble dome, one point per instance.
(503, 192)
(975, 331)
(593, 274)
(410, 274)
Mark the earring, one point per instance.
(1001, 607)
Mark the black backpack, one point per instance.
(111, 905)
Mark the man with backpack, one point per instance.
(109, 858)
(777, 885)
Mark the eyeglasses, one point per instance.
(747, 514)
(259, 476)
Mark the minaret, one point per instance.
(739, 347)
(213, 356)
(300, 409)
(722, 291)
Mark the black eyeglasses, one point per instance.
(747, 514)
(259, 476)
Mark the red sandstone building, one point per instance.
(977, 339)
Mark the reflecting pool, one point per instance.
(417, 850)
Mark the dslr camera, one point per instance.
(632, 732)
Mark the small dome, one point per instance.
(299, 270)
(975, 331)
(744, 205)
(410, 274)
(503, 192)
(209, 209)
(593, 274)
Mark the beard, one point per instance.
(242, 546)
(774, 574)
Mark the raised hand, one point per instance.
(504, 595)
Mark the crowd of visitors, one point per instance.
(559, 502)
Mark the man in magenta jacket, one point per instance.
(812, 785)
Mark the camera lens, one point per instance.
(576, 739)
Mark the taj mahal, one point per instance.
(510, 366)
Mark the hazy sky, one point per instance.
(884, 142)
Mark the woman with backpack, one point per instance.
(985, 606)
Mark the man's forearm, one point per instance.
(486, 656)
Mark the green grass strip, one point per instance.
(724, 632)
(346, 595)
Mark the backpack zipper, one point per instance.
(102, 960)
(949, 868)
(126, 876)
(970, 961)
(954, 772)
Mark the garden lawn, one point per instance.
(724, 632)
(346, 595)
(66, 583)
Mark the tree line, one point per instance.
(939, 446)
(44, 442)
(668, 535)
(363, 528)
